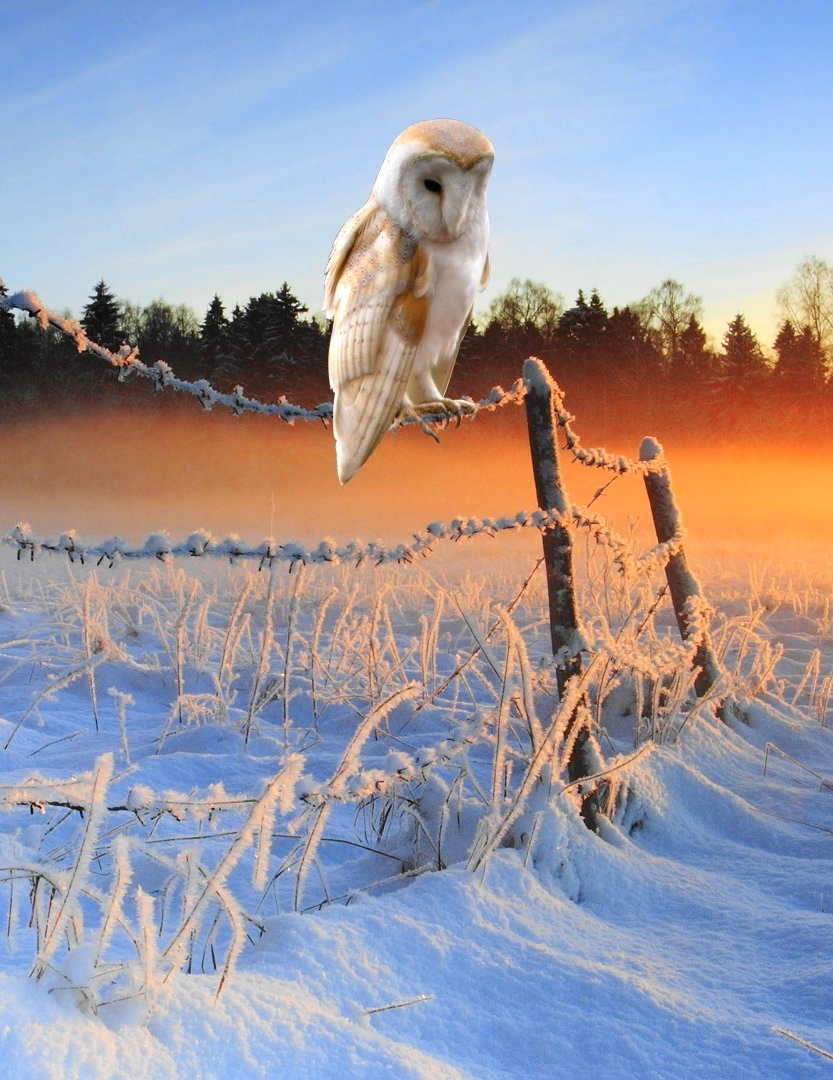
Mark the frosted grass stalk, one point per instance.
(349, 764)
(280, 789)
(290, 633)
(67, 904)
(262, 668)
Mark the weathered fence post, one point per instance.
(686, 595)
(557, 539)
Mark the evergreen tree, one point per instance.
(8, 334)
(582, 332)
(744, 365)
(267, 337)
(693, 361)
(283, 330)
(785, 346)
(101, 318)
(632, 355)
(800, 367)
(213, 331)
(234, 355)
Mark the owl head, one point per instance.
(434, 178)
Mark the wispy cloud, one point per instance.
(209, 149)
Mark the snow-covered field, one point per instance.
(315, 823)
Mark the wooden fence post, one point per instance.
(682, 583)
(557, 539)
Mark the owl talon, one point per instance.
(412, 412)
(458, 407)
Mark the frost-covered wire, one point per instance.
(127, 361)
(536, 378)
(201, 544)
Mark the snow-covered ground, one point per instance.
(314, 823)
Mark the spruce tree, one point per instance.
(800, 367)
(8, 333)
(582, 330)
(693, 361)
(213, 331)
(101, 318)
(744, 364)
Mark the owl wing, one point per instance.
(377, 293)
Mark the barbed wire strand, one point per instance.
(127, 361)
(198, 544)
(201, 544)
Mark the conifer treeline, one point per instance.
(648, 361)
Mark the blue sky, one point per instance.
(180, 149)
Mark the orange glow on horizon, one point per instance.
(135, 473)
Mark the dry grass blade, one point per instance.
(95, 820)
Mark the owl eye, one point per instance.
(434, 185)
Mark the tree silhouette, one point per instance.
(213, 334)
(648, 360)
(582, 331)
(634, 360)
(693, 361)
(167, 332)
(8, 334)
(807, 300)
(668, 310)
(800, 367)
(744, 364)
(101, 317)
(523, 320)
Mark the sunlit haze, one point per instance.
(182, 469)
(179, 151)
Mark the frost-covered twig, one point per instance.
(280, 789)
(399, 1004)
(803, 1042)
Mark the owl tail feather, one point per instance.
(361, 416)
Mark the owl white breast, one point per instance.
(401, 282)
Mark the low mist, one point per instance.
(130, 473)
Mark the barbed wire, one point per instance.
(127, 361)
(201, 544)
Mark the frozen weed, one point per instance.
(355, 728)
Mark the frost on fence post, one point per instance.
(557, 538)
(686, 595)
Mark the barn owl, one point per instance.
(401, 281)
